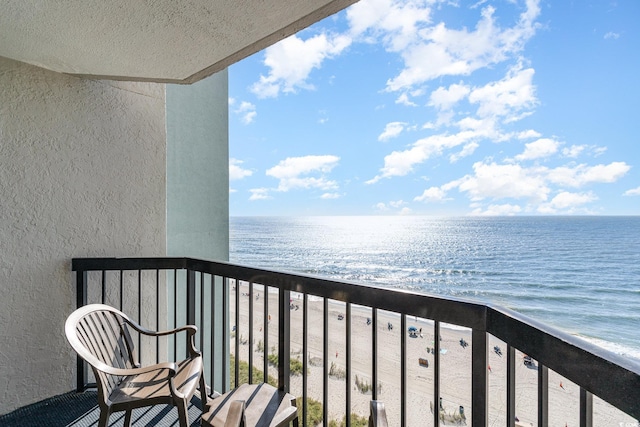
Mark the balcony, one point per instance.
(330, 342)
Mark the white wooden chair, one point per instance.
(100, 335)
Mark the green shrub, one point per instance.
(314, 412)
(356, 421)
(364, 387)
(337, 372)
(243, 373)
(295, 365)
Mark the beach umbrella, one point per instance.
(412, 329)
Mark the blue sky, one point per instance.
(432, 107)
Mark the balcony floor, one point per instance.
(81, 410)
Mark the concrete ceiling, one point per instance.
(150, 40)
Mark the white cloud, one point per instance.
(445, 98)
(598, 151)
(391, 130)
(543, 147)
(466, 151)
(291, 61)
(397, 204)
(576, 150)
(611, 35)
(632, 192)
(573, 151)
(579, 175)
(528, 134)
(405, 211)
(513, 181)
(381, 207)
(566, 201)
(248, 112)
(292, 172)
(497, 181)
(403, 99)
(400, 163)
(436, 51)
(259, 194)
(397, 22)
(508, 97)
(237, 172)
(432, 194)
(498, 210)
(331, 196)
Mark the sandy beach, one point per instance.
(455, 366)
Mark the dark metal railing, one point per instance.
(591, 368)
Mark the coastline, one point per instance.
(455, 367)
(576, 274)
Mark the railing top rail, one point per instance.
(157, 263)
(449, 310)
(589, 366)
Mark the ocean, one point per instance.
(578, 274)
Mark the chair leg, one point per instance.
(104, 417)
(127, 418)
(203, 393)
(183, 416)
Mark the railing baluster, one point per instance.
(436, 373)
(374, 354)
(403, 370)
(305, 356)
(104, 286)
(140, 314)
(265, 322)
(175, 312)
(250, 332)
(81, 301)
(348, 367)
(284, 340)
(543, 395)
(224, 338)
(511, 386)
(158, 315)
(586, 408)
(325, 362)
(212, 365)
(201, 327)
(191, 302)
(121, 291)
(237, 341)
(479, 385)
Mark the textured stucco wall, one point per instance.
(82, 173)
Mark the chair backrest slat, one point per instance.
(95, 346)
(106, 347)
(104, 334)
(118, 350)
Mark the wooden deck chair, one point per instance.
(100, 335)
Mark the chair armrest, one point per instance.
(285, 416)
(235, 416)
(171, 366)
(191, 330)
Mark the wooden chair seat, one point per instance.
(155, 384)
